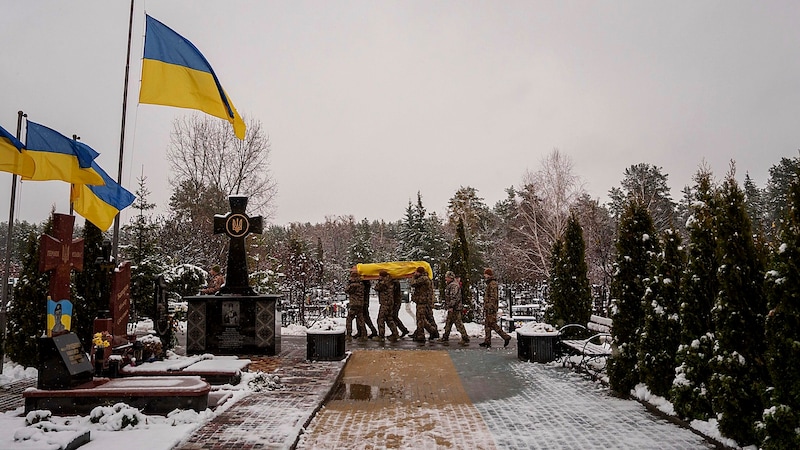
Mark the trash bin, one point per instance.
(325, 345)
(536, 346)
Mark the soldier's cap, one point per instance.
(383, 273)
(450, 274)
(420, 269)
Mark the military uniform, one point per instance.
(423, 293)
(454, 305)
(491, 305)
(397, 303)
(355, 307)
(385, 289)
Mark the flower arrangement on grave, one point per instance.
(101, 340)
(151, 346)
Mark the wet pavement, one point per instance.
(427, 395)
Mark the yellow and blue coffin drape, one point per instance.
(56, 157)
(175, 73)
(100, 204)
(12, 157)
(396, 269)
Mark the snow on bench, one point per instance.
(592, 349)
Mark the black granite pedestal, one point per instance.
(233, 325)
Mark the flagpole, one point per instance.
(115, 246)
(7, 266)
(75, 137)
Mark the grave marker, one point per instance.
(237, 225)
(60, 254)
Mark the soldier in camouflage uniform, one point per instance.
(385, 290)
(422, 296)
(397, 297)
(355, 307)
(491, 305)
(453, 303)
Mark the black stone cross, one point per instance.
(237, 225)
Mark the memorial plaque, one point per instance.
(228, 325)
(63, 363)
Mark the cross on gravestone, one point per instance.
(237, 225)
(60, 254)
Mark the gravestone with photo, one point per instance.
(237, 320)
(63, 363)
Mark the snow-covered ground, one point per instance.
(124, 428)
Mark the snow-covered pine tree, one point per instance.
(781, 418)
(28, 310)
(570, 293)
(360, 251)
(661, 336)
(698, 288)
(636, 245)
(739, 372)
(554, 311)
(140, 247)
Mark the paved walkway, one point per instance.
(412, 395)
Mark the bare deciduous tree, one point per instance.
(205, 152)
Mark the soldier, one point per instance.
(385, 290)
(355, 307)
(367, 319)
(397, 297)
(490, 306)
(423, 293)
(452, 301)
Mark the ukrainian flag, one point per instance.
(57, 157)
(12, 157)
(175, 73)
(100, 204)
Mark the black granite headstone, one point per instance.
(63, 363)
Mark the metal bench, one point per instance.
(593, 350)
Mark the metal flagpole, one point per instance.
(115, 246)
(7, 266)
(75, 137)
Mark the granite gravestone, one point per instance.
(120, 302)
(63, 363)
(236, 320)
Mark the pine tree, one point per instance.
(781, 419)
(92, 284)
(698, 288)
(360, 247)
(661, 336)
(27, 313)
(636, 246)
(739, 312)
(554, 310)
(460, 265)
(140, 247)
(570, 293)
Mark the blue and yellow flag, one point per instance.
(12, 157)
(100, 204)
(175, 73)
(57, 157)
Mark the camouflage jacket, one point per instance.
(491, 299)
(385, 289)
(452, 296)
(423, 290)
(355, 292)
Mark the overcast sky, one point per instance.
(368, 102)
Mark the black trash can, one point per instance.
(523, 347)
(536, 347)
(325, 346)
